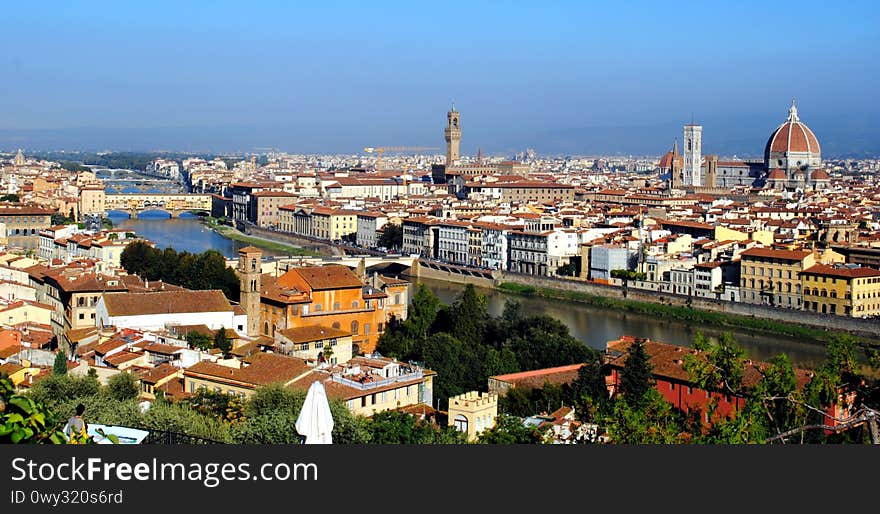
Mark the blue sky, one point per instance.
(340, 75)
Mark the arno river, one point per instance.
(593, 326)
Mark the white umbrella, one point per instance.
(315, 421)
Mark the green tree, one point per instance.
(199, 340)
(222, 342)
(509, 430)
(54, 389)
(122, 386)
(589, 392)
(10, 198)
(467, 317)
(23, 420)
(653, 421)
(636, 379)
(391, 236)
(217, 404)
(395, 427)
(60, 365)
(717, 366)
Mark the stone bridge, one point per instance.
(172, 203)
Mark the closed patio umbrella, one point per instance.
(315, 421)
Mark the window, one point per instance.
(82, 315)
(319, 345)
(317, 307)
(354, 327)
(366, 329)
(337, 306)
(354, 304)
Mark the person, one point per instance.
(76, 424)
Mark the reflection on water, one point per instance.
(596, 326)
(186, 233)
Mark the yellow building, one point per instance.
(26, 311)
(315, 343)
(92, 199)
(368, 385)
(845, 290)
(772, 277)
(473, 412)
(333, 224)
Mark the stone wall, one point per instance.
(865, 327)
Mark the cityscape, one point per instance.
(436, 293)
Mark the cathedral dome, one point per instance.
(792, 145)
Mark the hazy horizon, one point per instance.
(565, 78)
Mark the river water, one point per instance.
(589, 324)
(185, 233)
(595, 326)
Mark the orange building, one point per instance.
(10, 339)
(331, 296)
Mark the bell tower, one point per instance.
(453, 136)
(693, 141)
(249, 272)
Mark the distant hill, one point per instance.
(839, 135)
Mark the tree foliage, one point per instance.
(122, 386)
(23, 420)
(636, 379)
(222, 342)
(718, 365)
(391, 236)
(59, 367)
(206, 270)
(509, 430)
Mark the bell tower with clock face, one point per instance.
(453, 136)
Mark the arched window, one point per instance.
(354, 327)
(460, 423)
(354, 304)
(336, 325)
(266, 328)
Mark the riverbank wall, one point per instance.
(869, 328)
(456, 278)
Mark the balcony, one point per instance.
(371, 382)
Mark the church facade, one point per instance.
(792, 161)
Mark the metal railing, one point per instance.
(364, 386)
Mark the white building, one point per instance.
(368, 224)
(161, 309)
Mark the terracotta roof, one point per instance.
(265, 368)
(164, 302)
(768, 253)
(313, 333)
(158, 373)
(792, 136)
(667, 361)
(537, 377)
(842, 271)
(124, 356)
(321, 278)
(163, 349)
(15, 209)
